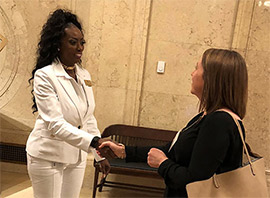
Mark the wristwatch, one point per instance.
(94, 142)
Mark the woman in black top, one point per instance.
(210, 143)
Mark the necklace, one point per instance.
(194, 123)
(185, 129)
(68, 67)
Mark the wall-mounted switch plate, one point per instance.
(161, 67)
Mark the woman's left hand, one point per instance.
(155, 157)
(105, 167)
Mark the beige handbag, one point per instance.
(246, 181)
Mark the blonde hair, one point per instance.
(225, 81)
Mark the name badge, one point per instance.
(88, 83)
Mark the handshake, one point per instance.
(110, 149)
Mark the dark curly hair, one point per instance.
(52, 32)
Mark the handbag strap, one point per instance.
(236, 119)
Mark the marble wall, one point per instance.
(179, 32)
(125, 40)
(257, 56)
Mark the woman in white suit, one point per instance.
(65, 129)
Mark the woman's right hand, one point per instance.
(117, 149)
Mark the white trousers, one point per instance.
(55, 180)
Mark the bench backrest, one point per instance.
(138, 136)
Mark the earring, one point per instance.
(58, 49)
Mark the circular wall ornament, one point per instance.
(3, 42)
(12, 28)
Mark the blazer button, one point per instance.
(79, 127)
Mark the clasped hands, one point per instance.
(110, 149)
(105, 151)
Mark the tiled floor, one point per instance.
(18, 185)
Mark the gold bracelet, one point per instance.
(123, 154)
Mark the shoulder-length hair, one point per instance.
(225, 81)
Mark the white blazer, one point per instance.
(61, 133)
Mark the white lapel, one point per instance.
(82, 77)
(65, 81)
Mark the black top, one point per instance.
(211, 145)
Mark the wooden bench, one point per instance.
(132, 136)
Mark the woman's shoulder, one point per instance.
(219, 115)
(220, 118)
(44, 70)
